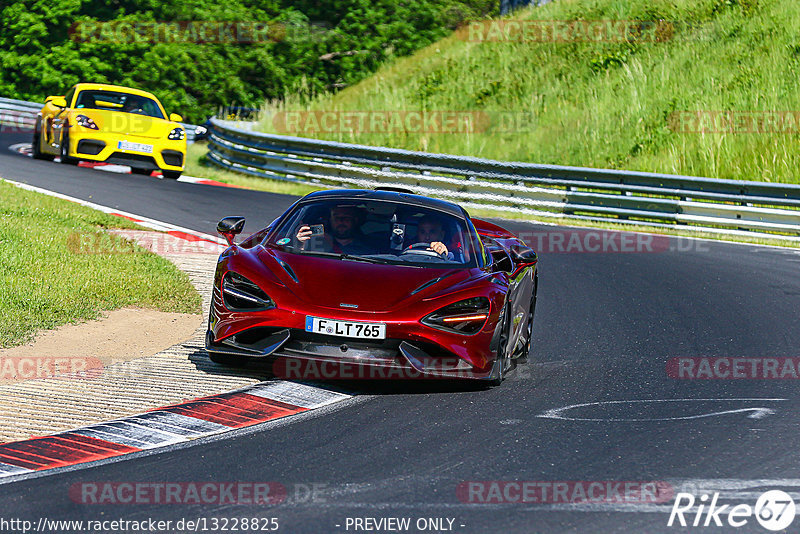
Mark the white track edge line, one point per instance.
(140, 219)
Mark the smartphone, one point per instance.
(317, 229)
(398, 236)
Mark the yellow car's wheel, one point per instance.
(172, 175)
(64, 150)
(36, 144)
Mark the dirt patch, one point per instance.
(121, 335)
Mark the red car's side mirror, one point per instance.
(230, 227)
(523, 257)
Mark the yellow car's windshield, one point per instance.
(116, 101)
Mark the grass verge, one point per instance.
(606, 103)
(46, 281)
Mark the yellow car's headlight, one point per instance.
(86, 122)
(177, 134)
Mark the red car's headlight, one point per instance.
(240, 294)
(463, 317)
(86, 122)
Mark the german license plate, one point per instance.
(333, 327)
(138, 147)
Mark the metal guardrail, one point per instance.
(18, 113)
(638, 198)
(22, 114)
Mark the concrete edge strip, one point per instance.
(164, 426)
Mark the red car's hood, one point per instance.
(372, 287)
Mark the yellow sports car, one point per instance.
(112, 124)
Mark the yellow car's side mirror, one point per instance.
(57, 101)
(174, 117)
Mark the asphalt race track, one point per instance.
(607, 323)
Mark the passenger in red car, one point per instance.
(345, 235)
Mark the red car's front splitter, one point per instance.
(294, 360)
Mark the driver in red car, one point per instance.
(430, 230)
(345, 235)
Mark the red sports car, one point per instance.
(379, 279)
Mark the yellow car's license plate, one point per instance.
(138, 147)
(333, 327)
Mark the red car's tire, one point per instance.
(525, 350)
(502, 361)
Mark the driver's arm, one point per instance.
(441, 248)
(438, 248)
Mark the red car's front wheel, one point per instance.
(502, 362)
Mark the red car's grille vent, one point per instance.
(254, 335)
(302, 343)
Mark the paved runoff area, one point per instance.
(173, 396)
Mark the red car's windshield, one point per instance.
(378, 230)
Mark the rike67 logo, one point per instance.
(774, 510)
